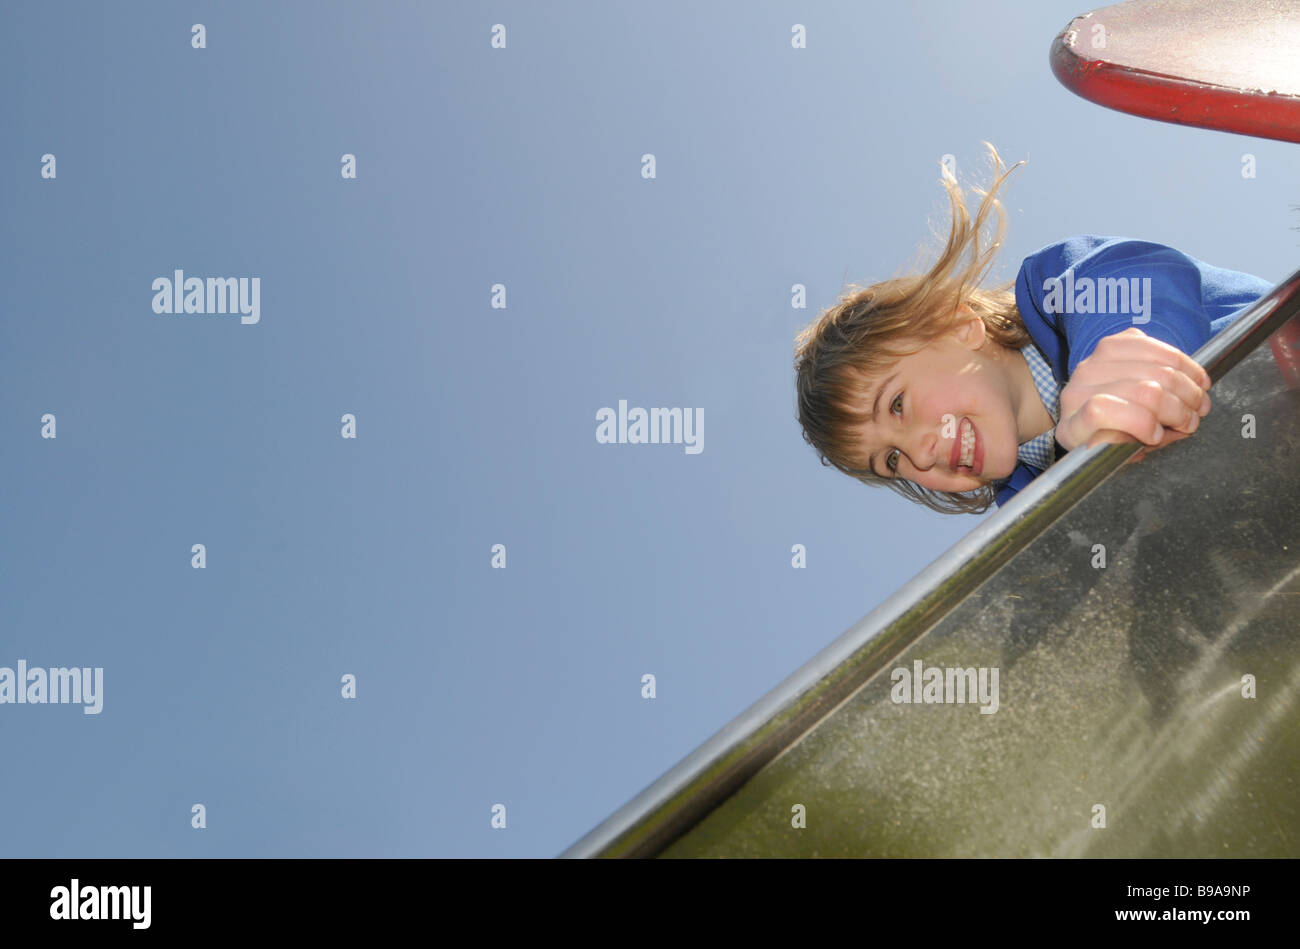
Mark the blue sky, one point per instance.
(372, 556)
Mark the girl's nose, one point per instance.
(925, 447)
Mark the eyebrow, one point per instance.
(875, 406)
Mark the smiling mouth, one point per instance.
(967, 450)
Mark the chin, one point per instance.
(996, 469)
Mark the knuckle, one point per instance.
(1152, 394)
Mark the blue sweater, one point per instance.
(1183, 303)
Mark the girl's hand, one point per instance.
(1133, 388)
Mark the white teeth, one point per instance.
(967, 444)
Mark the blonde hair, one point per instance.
(871, 327)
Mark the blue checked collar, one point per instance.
(1040, 452)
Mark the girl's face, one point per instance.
(961, 390)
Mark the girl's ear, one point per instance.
(970, 330)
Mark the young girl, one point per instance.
(957, 396)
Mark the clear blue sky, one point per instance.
(476, 426)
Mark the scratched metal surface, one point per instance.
(1227, 64)
(1118, 686)
(1239, 44)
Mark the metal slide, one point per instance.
(1146, 704)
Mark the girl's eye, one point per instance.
(891, 460)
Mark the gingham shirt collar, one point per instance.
(1040, 452)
